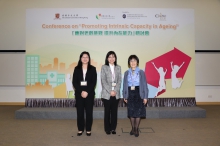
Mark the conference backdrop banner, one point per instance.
(163, 39)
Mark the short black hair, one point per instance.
(107, 55)
(79, 65)
(133, 57)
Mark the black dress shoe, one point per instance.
(113, 132)
(88, 133)
(108, 132)
(79, 133)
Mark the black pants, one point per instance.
(84, 105)
(111, 113)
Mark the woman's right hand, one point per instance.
(113, 93)
(125, 100)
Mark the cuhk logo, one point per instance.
(57, 16)
(124, 16)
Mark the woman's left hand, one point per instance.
(145, 101)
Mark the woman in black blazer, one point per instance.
(84, 82)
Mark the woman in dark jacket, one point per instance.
(135, 93)
(84, 81)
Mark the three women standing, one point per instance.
(84, 82)
(135, 93)
(111, 84)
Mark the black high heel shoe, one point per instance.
(108, 132)
(136, 134)
(79, 133)
(88, 133)
(132, 131)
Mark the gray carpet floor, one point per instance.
(154, 132)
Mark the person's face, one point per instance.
(85, 59)
(111, 59)
(133, 63)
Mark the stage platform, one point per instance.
(98, 113)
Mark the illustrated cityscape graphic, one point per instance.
(53, 80)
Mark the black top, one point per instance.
(91, 78)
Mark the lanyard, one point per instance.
(113, 74)
(132, 79)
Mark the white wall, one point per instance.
(12, 94)
(12, 67)
(12, 30)
(207, 93)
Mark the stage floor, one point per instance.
(98, 113)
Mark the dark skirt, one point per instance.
(135, 105)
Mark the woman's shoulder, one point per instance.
(76, 68)
(141, 71)
(91, 67)
(126, 72)
(118, 66)
(104, 66)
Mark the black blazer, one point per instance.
(91, 78)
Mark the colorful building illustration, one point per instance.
(33, 75)
(32, 69)
(53, 77)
